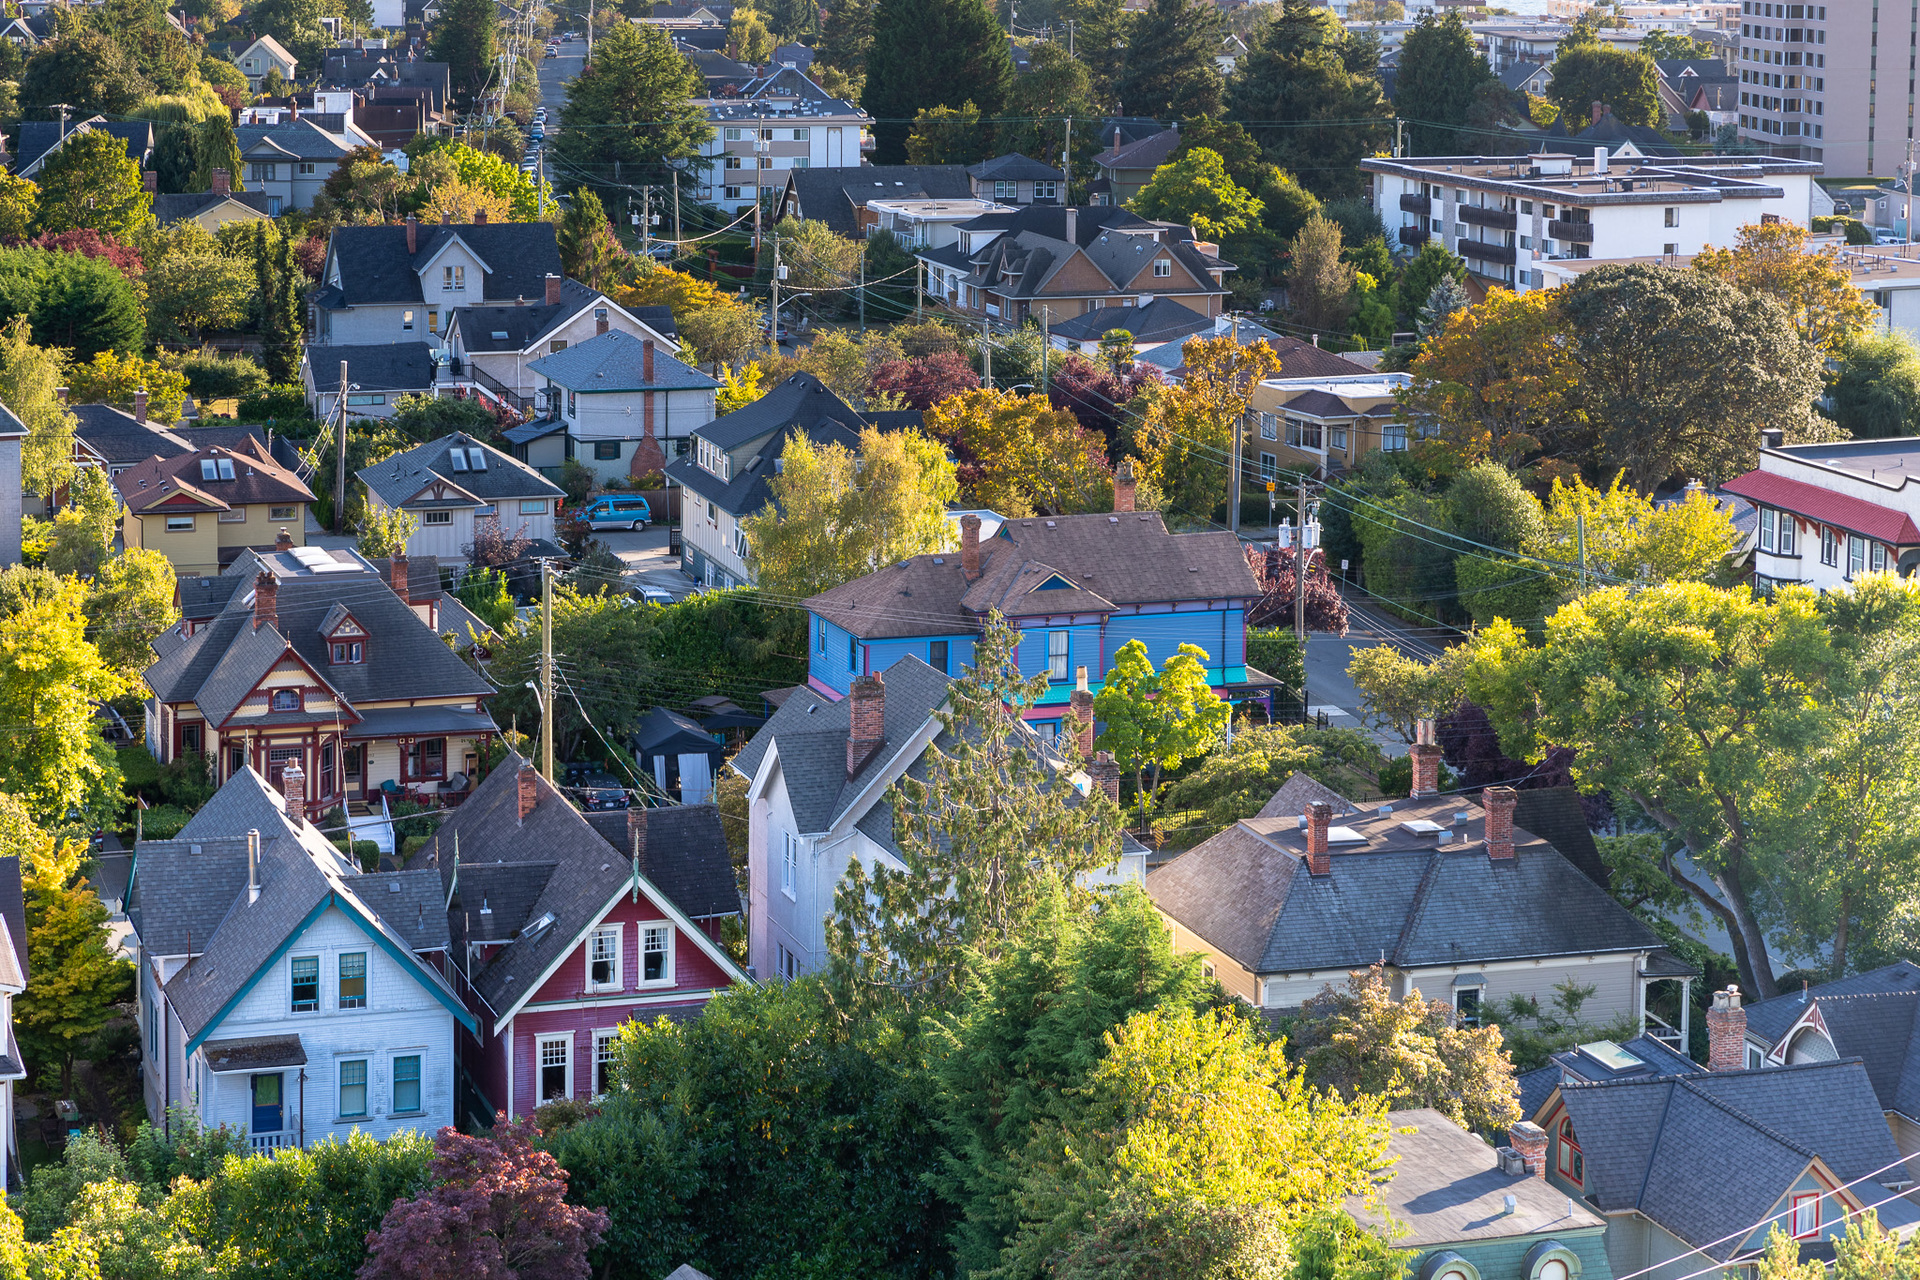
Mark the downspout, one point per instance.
(303, 1107)
(508, 1043)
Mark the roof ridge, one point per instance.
(1687, 1082)
(1418, 904)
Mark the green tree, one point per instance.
(837, 515)
(484, 592)
(611, 644)
(216, 147)
(30, 382)
(1309, 93)
(19, 203)
(92, 182)
(158, 49)
(486, 171)
(1877, 392)
(384, 532)
(1054, 89)
(846, 34)
(1320, 285)
(1440, 73)
(1196, 190)
(296, 25)
(50, 673)
(1816, 289)
(1020, 454)
(176, 156)
(1170, 67)
(931, 53)
(635, 106)
(1357, 1040)
(190, 293)
(1663, 45)
(1138, 1235)
(1424, 272)
(1157, 720)
(589, 252)
(1188, 429)
(1625, 82)
(748, 39)
(77, 982)
(129, 604)
(949, 135)
(86, 69)
(83, 530)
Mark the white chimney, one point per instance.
(1599, 160)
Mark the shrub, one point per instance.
(164, 821)
(212, 376)
(187, 780)
(139, 771)
(276, 404)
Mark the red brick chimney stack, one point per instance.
(222, 182)
(150, 180)
(1529, 1140)
(413, 235)
(868, 732)
(397, 575)
(646, 354)
(1425, 755)
(1499, 802)
(1727, 1032)
(479, 217)
(970, 546)
(1123, 486)
(529, 789)
(553, 290)
(266, 601)
(140, 406)
(1105, 774)
(1319, 821)
(637, 832)
(293, 785)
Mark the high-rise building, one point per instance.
(1833, 83)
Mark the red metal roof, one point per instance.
(1812, 502)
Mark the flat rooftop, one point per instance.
(1888, 462)
(1570, 178)
(940, 208)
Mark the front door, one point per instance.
(266, 1103)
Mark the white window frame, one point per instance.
(1829, 547)
(533, 506)
(1877, 557)
(789, 864)
(1769, 519)
(1856, 555)
(1059, 646)
(1269, 427)
(540, 1043)
(436, 518)
(179, 524)
(604, 1040)
(606, 933)
(1046, 190)
(661, 932)
(1789, 535)
(1162, 268)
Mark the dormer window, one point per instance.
(285, 700)
(1163, 266)
(216, 468)
(348, 652)
(453, 279)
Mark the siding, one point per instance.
(1505, 1259)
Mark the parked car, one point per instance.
(618, 512)
(598, 792)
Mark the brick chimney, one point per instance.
(553, 290)
(1727, 1032)
(1080, 711)
(1499, 802)
(140, 406)
(1105, 774)
(867, 733)
(646, 354)
(1529, 1141)
(637, 832)
(266, 601)
(1425, 754)
(1599, 109)
(1123, 486)
(529, 789)
(397, 575)
(283, 541)
(150, 180)
(1319, 820)
(222, 182)
(970, 546)
(293, 785)
(479, 217)
(413, 235)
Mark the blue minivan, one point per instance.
(619, 511)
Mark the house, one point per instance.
(1298, 358)
(818, 775)
(321, 663)
(773, 125)
(28, 32)
(926, 224)
(1127, 166)
(1465, 1214)
(1157, 322)
(388, 75)
(726, 472)
(282, 990)
(376, 377)
(489, 347)
(203, 507)
(683, 852)
(839, 196)
(454, 486)
(1831, 512)
(1015, 179)
(1623, 141)
(1807, 1146)
(39, 139)
(1078, 587)
(1048, 262)
(12, 483)
(289, 161)
(13, 983)
(1643, 1055)
(214, 208)
(401, 284)
(723, 75)
(1528, 77)
(1507, 215)
(1444, 894)
(560, 939)
(1324, 425)
(629, 407)
(115, 440)
(262, 56)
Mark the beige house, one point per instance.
(264, 55)
(202, 508)
(1325, 425)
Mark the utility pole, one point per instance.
(1580, 533)
(676, 209)
(340, 464)
(919, 289)
(1300, 573)
(1066, 152)
(1234, 479)
(646, 222)
(1908, 167)
(540, 178)
(986, 354)
(863, 286)
(773, 314)
(1046, 345)
(546, 668)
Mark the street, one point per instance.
(1329, 689)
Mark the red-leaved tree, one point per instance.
(89, 243)
(1093, 393)
(928, 380)
(497, 1210)
(1326, 609)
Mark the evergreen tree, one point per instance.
(78, 984)
(928, 53)
(1170, 72)
(1440, 75)
(588, 250)
(1055, 89)
(88, 71)
(466, 38)
(1447, 296)
(846, 34)
(1309, 93)
(92, 182)
(219, 148)
(1099, 41)
(632, 108)
(1420, 275)
(176, 158)
(296, 24)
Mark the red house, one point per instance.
(559, 936)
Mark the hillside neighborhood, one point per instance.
(939, 639)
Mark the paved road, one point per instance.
(1329, 689)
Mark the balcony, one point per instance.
(1414, 202)
(1578, 232)
(1479, 216)
(1415, 235)
(1486, 252)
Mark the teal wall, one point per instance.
(1504, 1257)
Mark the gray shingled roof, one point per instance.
(830, 195)
(800, 404)
(685, 854)
(1149, 152)
(399, 478)
(38, 137)
(481, 328)
(387, 366)
(1014, 167)
(122, 439)
(299, 139)
(171, 208)
(375, 266)
(616, 361)
(1655, 1059)
(1162, 320)
(1768, 1020)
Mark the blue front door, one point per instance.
(266, 1103)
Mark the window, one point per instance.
(1787, 527)
(237, 515)
(603, 959)
(453, 279)
(1268, 465)
(556, 1066)
(1269, 427)
(734, 135)
(1878, 557)
(1046, 190)
(353, 980)
(1056, 655)
(1163, 267)
(605, 450)
(556, 346)
(533, 506)
(853, 653)
(1768, 516)
(348, 651)
(1337, 438)
(1856, 555)
(179, 524)
(365, 399)
(937, 656)
(280, 513)
(1303, 433)
(305, 169)
(426, 758)
(266, 172)
(1829, 547)
(1005, 190)
(803, 135)
(1466, 1006)
(1393, 437)
(789, 862)
(326, 769)
(216, 468)
(406, 321)
(306, 984)
(604, 1043)
(1673, 217)
(820, 635)
(654, 963)
(433, 321)
(1806, 1215)
(406, 1084)
(236, 760)
(1572, 1164)
(573, 405)
(783, 963)
(437, 517)
(353, 1088)
(286, 700)
(273, 206)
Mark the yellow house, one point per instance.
(202, 509)
(1324, 425)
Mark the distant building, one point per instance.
(774, 125)
(629, 406)
(262, 56)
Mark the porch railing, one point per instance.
(271, 1141)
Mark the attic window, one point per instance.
(216, 468)
(1055, 583)
(477, 458)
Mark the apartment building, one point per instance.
(1832, 512)
(1325, 424)
(1506, 216)
(778, 123)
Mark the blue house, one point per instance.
(1077, 587)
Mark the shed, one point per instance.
(681, 756)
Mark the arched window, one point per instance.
(1568, 1159)
(1810, 1046)
(286, 699)
(1551, 1260)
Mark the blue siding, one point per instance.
(827, 667)
(1220, 632)
(1833, 1213)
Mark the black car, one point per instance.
(596, 791)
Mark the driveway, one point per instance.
(647, 561)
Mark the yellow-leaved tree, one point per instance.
(1018, 454)
(1772, 259)
(1188, 433)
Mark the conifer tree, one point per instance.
(932, 53)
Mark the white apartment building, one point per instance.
(779, 123)
(1507, 216)
(1832, 512)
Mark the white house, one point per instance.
(453, 485)
(1831, 512)
(288, 162)
(282, 990)
(490, 347)
(629, 407)
(263, 55)
(377, 376)
(403, 283)
(778, 123)
(13, 981)
(12, 433)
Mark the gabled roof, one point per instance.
(272, 48)
(1517, 75)
(1815, 502)
(40, 138)
(831, 195)
(1106, 560)
(256, 478)
(514, 328)
(169, 209)
(375, 266)
(685, 854)
(1768, 1020)
(1149, 152)
(1298, 359)
(616, 361)
(400, 479)
(1162, 320)
(1393, 895)
(1321, 404)
(301, 139)
(121, 438)
(387, 366)
(1014, 167)
(1648, 1058)
(1643, 1141)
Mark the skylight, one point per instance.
(477, 458)
(1344, 835)
(1611, 1056)
(459, 457)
